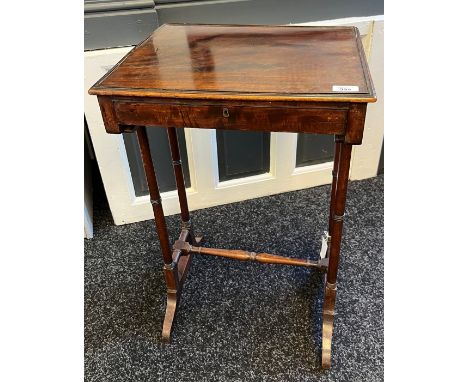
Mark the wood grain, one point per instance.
(264, 78)
(237, 254)
(240, 62)
(227, 116)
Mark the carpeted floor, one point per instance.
(239, 321)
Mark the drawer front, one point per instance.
(287, 119)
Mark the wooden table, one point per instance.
(269, 78)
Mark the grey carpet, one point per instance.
(239, 321)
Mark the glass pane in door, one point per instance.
(242, 153)
(162, 160)
(314, 149)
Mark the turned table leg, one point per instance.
(180, 183)
(337, 208)
(170, 267)
(186, 229)
(336, 161)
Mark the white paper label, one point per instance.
(345, 88)
(323, 250)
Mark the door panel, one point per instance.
(314, 149)
(242, 154)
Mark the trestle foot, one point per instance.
(171, 310)
(327, 323)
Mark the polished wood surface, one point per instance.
(155, 197)
(240, 62)
(179, 176)
(327, 323)
(342, 161)
(320, 120)
(237, 254)
(241, 78)
(338, 205)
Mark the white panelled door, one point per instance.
(206, 190)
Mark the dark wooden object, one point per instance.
(236, 254)
(269, 78)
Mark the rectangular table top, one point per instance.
(234, 62)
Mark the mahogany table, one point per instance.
(269, 78)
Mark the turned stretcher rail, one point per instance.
(237, 254)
